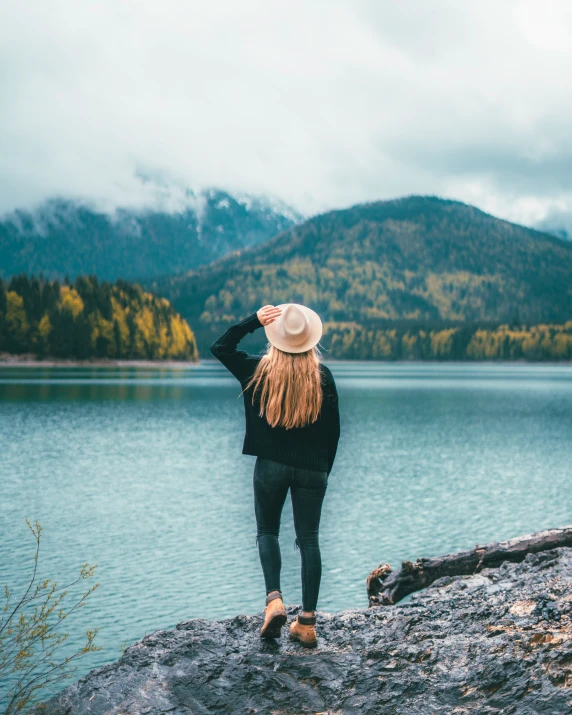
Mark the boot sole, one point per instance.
(274, 626)
(306, 644)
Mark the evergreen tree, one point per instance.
(62, 335)
(118, 342)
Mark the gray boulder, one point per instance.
(499, 641)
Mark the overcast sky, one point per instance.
(321, 104)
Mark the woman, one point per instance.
(293, 428)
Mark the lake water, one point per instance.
(140, 471)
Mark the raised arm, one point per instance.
(224, 349)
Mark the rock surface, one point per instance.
(496, 642)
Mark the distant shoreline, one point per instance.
(7, 360)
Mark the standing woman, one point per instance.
(293, 428)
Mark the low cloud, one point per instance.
(323, 104)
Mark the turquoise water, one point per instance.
(140, 471)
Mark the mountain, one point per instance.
(67, 238)
(557, 222)
(418, 259)
(557, 230)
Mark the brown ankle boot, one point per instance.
(275, 616)
(303, 629)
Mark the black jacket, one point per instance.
(310, 447)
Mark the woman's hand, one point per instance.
(268, 313)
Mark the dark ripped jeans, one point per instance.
(307, 490)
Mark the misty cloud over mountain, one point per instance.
(64, 237)
(322, 104)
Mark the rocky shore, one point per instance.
(497, 641)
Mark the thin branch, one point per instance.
(3, 626)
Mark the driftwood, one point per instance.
(386, 587)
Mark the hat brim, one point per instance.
(276, 339)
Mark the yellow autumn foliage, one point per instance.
(71, 300)
(92, 319)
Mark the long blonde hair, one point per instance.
(290, 387)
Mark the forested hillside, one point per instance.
(90, 319)
(64, 238)
(416, 261)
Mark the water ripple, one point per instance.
(141, 472)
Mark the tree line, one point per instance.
(548, 342)
(90, 319)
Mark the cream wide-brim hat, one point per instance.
(297, 329)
